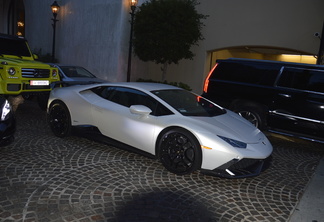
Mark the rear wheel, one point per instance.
(59, 119)
(180, 152)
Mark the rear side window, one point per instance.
(303, 79)
(263, 74)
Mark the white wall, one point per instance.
(95, 34)
(38, 29)
(92, 34)
(289, 24)
(275, 23)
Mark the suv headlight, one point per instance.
(6, 109)
(234, 143)
(54, 73)
(12, 71)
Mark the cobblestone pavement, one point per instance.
(45, 178)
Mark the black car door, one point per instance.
(298, 105)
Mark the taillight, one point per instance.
(207, 79)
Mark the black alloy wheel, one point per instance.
(250, 116)
(180, 152)
(254, 114)
(59, 119)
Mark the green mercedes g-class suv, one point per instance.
(20, 74)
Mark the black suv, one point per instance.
(280, 97)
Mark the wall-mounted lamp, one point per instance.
(133, 4)
(55, 8)
(20, 26)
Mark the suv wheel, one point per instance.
(253, 114)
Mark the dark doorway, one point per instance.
(16, 18)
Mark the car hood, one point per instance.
(232, 126)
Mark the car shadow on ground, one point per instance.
(164, 206)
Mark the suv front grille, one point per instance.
(35, 73)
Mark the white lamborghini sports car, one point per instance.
(183, 130)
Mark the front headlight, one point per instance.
(234, 143)
(12, 71)
(6, 109)
(54, 73)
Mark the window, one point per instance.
(189, 104)
(75, 71)
(263, 74)
(16, 47)
(128, 97)
(303, 79)
(316, 81)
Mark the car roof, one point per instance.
(281, 63)
(144, 86)
(61, 65)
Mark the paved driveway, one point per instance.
(45, 178)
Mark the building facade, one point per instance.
(96, 34)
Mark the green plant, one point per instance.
(165, 30)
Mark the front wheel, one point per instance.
(180, 152)
(59, 119)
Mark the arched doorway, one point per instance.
(13, 17)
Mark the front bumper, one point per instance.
(240, 168)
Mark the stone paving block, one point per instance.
(45, 178)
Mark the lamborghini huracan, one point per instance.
(185, 131)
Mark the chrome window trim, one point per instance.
(296, 117)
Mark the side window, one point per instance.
(70, 71)
(303, 79)
(316, 81)
(293, 78)
(128, 97)
(262, 74)
(105, 92)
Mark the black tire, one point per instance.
(59, 119)
(180, 152)
(253, 114)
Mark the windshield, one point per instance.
(13, 47)
(189, 104)
(76, 71)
